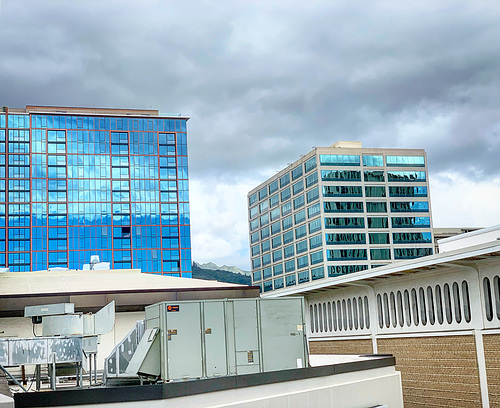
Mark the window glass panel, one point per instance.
(378, 206)
(410, 222)
(405, 191)
(380, 253)
(343, 206)
(297, 172)
(379, 238)
(340, 175)
(284, 180)
(373, 161)
(410, 253)
(345, 239)
(354, 222)
(405, 161)
(375, 191)
(406, 176)
(342, 191)
(339, 160)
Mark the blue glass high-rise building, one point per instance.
(76, 182)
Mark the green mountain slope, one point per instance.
(220, 275)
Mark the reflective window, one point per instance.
(303, 262)
(380, 253)
(410, 253)
(343, 206)
(378, 222)
(316, 257)
(377, 206)
(339, 160)
(340, 175)
(345, 238)
(290, 280)
(278, 269)
(342, 191)
(273, 187)
(285, 194)
(299, 202)
(300, 232)
(252, 199)
(268, 286)
(315, 226)
(310, 164)
(374, 175)
(338, 270)
(354, 222)
(315, 242)
(290, 265)
(317, 273)
(346, 254)
(410, 222)
(410, 206)
(274, 200)
(406, 176)
(411, 237)
(278, 283)
(300, 217)
(284, 180)
(287, 223)
(298, 187)
(286, 208)
(311, 179)
(262, 193)
(313, 210)
(287, 237)
(301, 246)
(379, 238)
(297, 172)
(405, 191)
(312, 195)
(375, 191)
(405, 161)
(289, 251)
(277, 255)
(373, 161)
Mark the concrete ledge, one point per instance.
(103, 395)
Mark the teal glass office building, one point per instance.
(76, 182)
(339, 210)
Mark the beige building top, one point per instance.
(91, 289)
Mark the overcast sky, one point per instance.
(264, 81)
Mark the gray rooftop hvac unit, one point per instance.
(213, 338)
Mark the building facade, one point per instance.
(338, 210)
(76, 182)
(438, 315)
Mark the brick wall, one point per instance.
(436, 371)
(492, 356)
(341, 347)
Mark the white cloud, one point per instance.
(461, 202)
(219, 223)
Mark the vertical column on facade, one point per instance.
(372, 302)
(477, 313)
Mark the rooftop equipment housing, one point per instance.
(213, 338)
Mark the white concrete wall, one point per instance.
(360, 389)
(482, 236)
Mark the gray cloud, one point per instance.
(265, 81)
